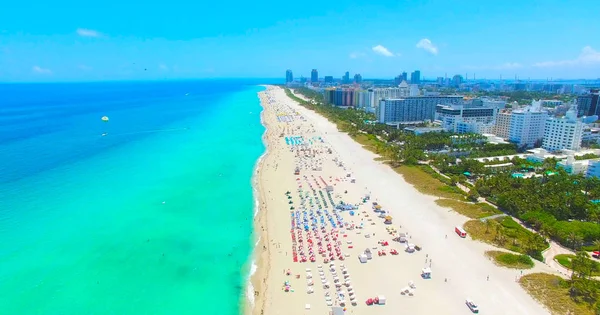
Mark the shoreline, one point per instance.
(259, 256)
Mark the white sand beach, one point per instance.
(299, 138)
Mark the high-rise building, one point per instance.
(563, 133)
(502, 127)
(341, 96)
(397, 80)
(358, 78)
(415, 77)
(314, 76)
(383, 93)
(346, 78)
(289, 76)
(412, 109)
(328, 79)
(588, 105)
(440, 81)
(527, 125)
(404, 76)
(363, 100)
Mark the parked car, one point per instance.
(472, 306)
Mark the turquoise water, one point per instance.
(153, 218)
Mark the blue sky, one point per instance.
(125, 40)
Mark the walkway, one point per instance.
(495, 216)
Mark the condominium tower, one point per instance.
(527, 125)
(562, 133)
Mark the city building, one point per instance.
(488, 102)
(289, 76)
(440, 81)
(398, 80)
(502, 127)
(404, 76)
(587, 105)
(314, 76)
(328, 79)
(465, 118)
(412, 109)
(527, 125)
(593, 169)
(551, 103)
(457, 80)
(414, 90)
(573, 166)
(591, 135)
(415, 77)
(422, 130)
(358, 78)
(346, 78)
(340, 96)
(562, 133)
(376, 95)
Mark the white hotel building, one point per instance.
(466, 118)
(527, 125)
(563, 133)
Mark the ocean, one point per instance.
(150, 212)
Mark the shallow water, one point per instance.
(155, 217)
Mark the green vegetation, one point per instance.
(424, 183)
(557, 295)
(588, 156)
(509, 260)
(558, 206)
(471, 210)
(506, 233)
(567, 262)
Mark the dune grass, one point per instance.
(427, 184)
(509, 260)
(553, 292)
(468, 209)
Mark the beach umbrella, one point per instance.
(104, 118)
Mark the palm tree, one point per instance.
(498, 230)
(574, 239)
(488, 224)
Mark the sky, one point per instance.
(64, 40)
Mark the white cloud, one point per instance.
(428, 46)
(588, 56)
(382, 51)
(40, 70)
(355, 55)
(509, 65)
(84, 32)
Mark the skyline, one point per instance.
(537, 40)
